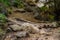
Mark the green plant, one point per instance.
(51, 17)
(5, 2)
(2, 25)
(0, 9)
(2, 32)
(19, 3)
(2, 18)
(43, 8)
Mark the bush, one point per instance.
(2, 32)
(2, 18)
(51, 17)
(18, 3)
(5, 2)
(44, 8)
(2, 25)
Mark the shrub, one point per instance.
(5, 2)
(44, 8)
(2, 32)
(19, 3)
(2, 18)
(51, 17)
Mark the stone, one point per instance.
(40, 3)
(54, 24)
(43, 31)
(30, 27)
(15, 27)
(28, 9)
(21, 34)
(20, 10)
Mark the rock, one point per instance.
(40, 3)
(54, 24)
(15, 27)
(31, 2)
(20, 20)
(43, 1)
(10, 37)
(25, 27)
(30, 27)
(21, 34)
(20, 10)
(28, 9)
(43, 31)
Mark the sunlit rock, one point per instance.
(15, 27)
(21, 34)
(30, 27)
(40, 4)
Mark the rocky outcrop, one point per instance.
(32, 31)
(20, 26)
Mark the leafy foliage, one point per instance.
(44, 8)
(8, 3)
(2, 24)
(19, 3)
(5, 2)
(2, 18)
(51, 17)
